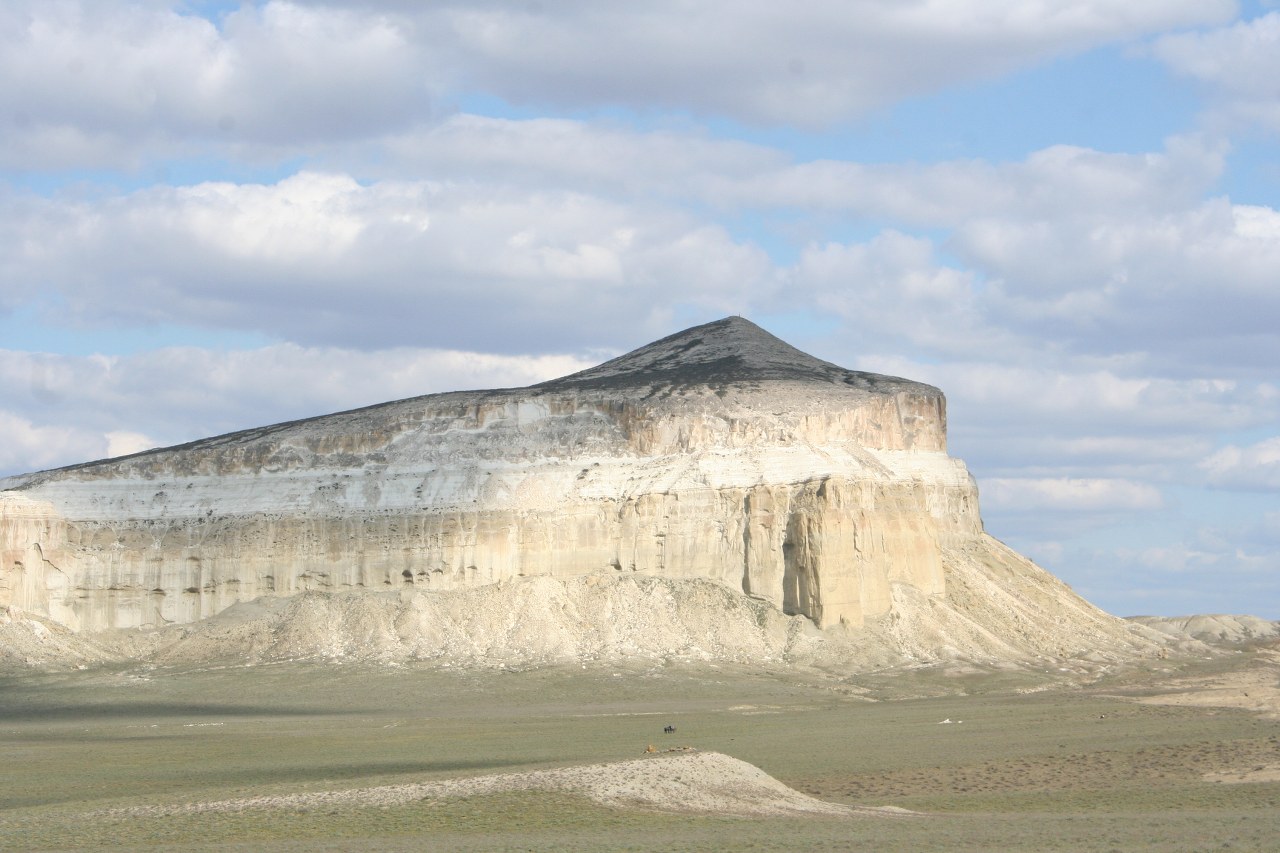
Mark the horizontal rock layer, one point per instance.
(178, 536)
(720, 453)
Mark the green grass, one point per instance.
(1053, 770)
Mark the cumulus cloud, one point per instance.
(96, 85)
(1071, 422)
(1173, 580)
(1074, 396)
(1187, 291)
(813, 64)
(28, 445)
(320, 258)
(1104, 253)
(589, 156)
(895, 293)
(1253, 467)
(1192, 571)
(1237, 64)
(1167, 284)
(124, 443)
(1108, 253)
(692, 166)
(1055, 182)
(1069, 495)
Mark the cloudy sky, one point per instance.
(1064, 213)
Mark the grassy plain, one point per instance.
(1029, 762)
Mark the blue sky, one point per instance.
(1064, 214)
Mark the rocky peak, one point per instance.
(729, 351)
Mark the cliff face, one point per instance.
(719, 453)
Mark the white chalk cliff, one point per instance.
(719, 453)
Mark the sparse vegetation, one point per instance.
(1020, 767)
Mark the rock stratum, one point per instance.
(720, 455)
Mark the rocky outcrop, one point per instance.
(34, 546)
(720, 453)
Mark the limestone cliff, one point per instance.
(719, 453)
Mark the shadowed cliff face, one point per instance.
(719, 453)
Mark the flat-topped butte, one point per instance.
(718, 453)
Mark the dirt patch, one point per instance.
(29, 641)
(1084, 771)
(1257, 773)
(1255, 689)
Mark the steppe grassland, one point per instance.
(1026, 763)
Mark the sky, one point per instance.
(1063, 213)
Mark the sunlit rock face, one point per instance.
(720, 452)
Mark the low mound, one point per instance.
(1214, 628)
(691, 782)
(31, 642)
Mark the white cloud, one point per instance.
(1058, 182)
(307, 217)
(1239, 65)
(1069, 495)
(811, 63)
(322, 258)
(1193, 559)
(109, 84)
(591, 156)
(1145, 569)
(1141, 271)
(1072, 422)
(1256, 466)
(1189, 289)
(689, 165)
(1074, 396)
(1130, 449)
(124, 443)
(1175, 558)
(895, 293)
(101, 84)
(1103, 253)
(30, 446)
